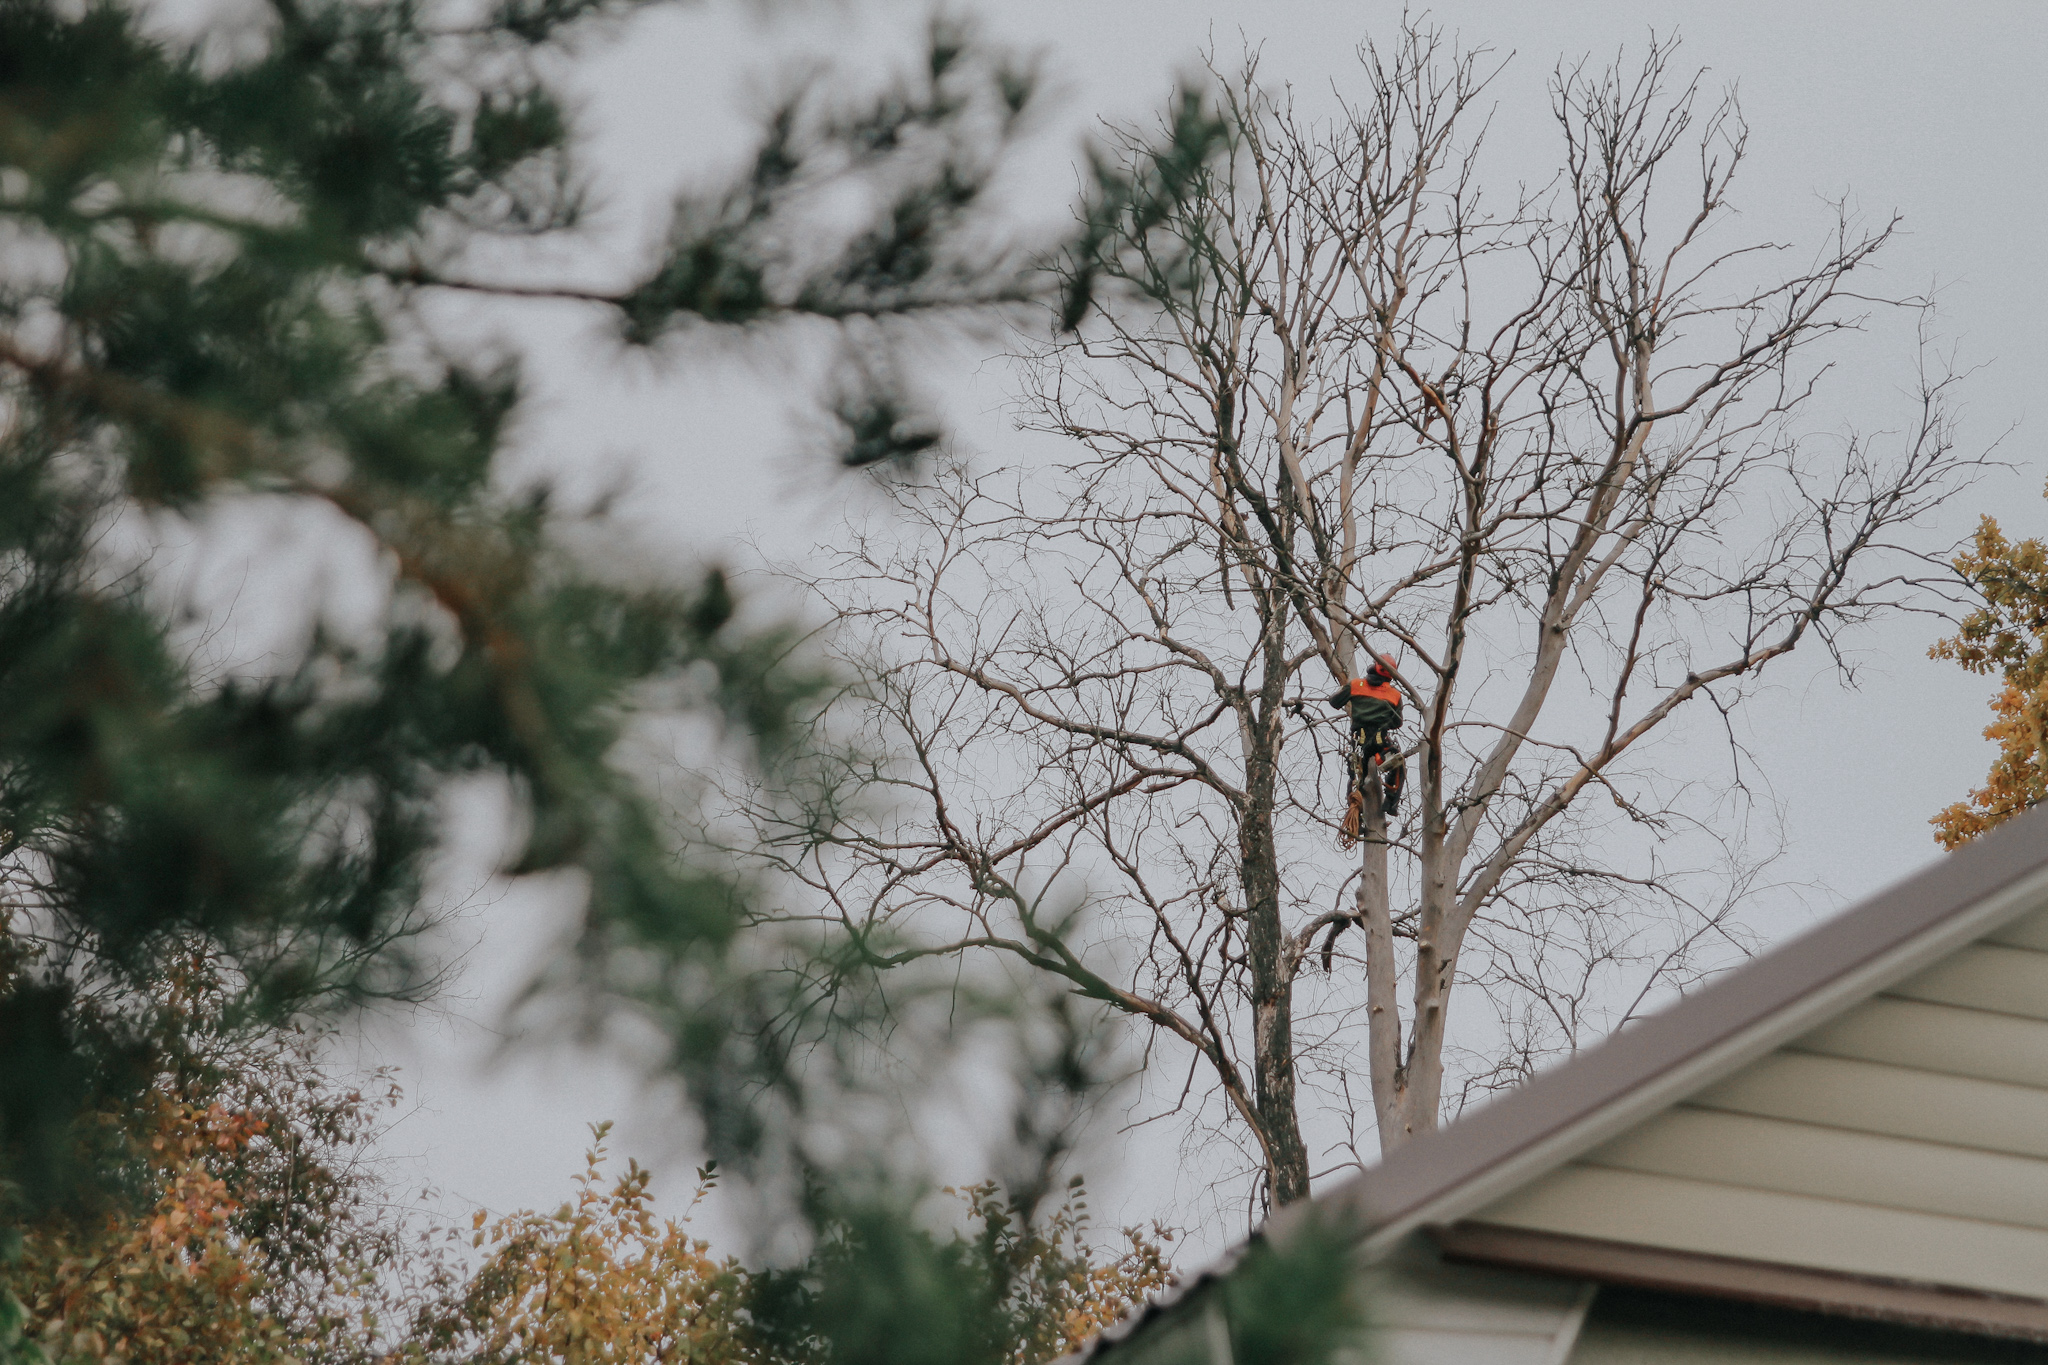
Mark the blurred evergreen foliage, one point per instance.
(1022, 1286)
(213, 257)
(217, 254)
(1293, 1299)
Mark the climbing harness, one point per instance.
(1370, 748)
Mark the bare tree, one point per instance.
(1542, 453)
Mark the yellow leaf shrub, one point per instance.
(2007, 635)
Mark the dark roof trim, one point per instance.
(1684, 1272)
(1451, 1173)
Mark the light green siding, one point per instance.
(1906, 1139)
(1630, 1328)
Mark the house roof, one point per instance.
(1780, 994)
(1498, 1183)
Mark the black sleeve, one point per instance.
(1341, 697)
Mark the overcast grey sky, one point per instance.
(1938, 112)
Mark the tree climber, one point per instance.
(1375, 705)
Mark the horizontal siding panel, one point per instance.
(1408, 1346)
(1416, 1287)
(1872, 1097)
(1830, 1163)
(1986, 976)
(1477, 1312)
(1916, 1033)
(1788, 1229)
(2030, 931)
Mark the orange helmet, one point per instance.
(1382, 669)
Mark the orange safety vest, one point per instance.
(1373, 706)
(1385, 691)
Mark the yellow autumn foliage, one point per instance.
(2007, 635)
(170, 1287)
(248, 1226)
(1066, 1294)
(239, 1221)
(602, 1280)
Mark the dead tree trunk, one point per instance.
(1266, 938)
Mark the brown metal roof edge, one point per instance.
(1906, 1302)
(1435, 1165)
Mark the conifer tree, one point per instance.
(217, 256)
